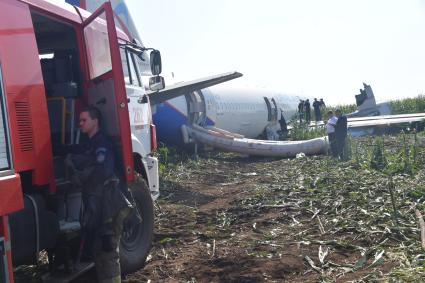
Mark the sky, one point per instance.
(310, 48)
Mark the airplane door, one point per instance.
(269, 109)
(211, 106)
(196, 108)
(274, 110)
(105, 82)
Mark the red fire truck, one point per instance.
(54, 59)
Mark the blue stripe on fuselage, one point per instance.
(73, 2)
(209, 122)
(168, 121)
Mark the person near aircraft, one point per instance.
(307, 111)
(301, 110)
(282, 122)
(316, 107)
(340, 133)
(330, 129)
(283, 125)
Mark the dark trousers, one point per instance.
(107, 263)
(318, 115)
(332, 144)
(307, 117)
(340, 144)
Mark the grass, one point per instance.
(303, 132)
(359, 208)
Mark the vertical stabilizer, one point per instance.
(366, 103)
(123, 18)
(366, 99)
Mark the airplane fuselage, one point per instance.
(246, 111)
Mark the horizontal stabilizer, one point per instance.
(183, 88)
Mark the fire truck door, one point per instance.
(106, 88)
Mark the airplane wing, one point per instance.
(385, 120)
(370, 121)
(183, 88)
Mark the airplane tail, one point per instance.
(122, 16)
(366, 103)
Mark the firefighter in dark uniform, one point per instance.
(105, 207)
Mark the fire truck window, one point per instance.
(4, 148)
(135, 70)
(129, 69)
(125, 66)
(98, 52)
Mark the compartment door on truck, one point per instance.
(106, 86)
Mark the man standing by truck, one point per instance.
(105, 207)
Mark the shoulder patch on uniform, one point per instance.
(100, 154)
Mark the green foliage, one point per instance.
(162, 153)
(417, 192)
(348, 108)
(170, 157)
(378, 161)
(408, 105)
(304, 132)
(371, 153)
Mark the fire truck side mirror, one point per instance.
(156, 83)
(155, 60)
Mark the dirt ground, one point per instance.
(232, 218)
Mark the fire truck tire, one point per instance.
(136, 242)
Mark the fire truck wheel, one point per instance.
(136, 241)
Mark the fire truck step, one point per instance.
(68, 277)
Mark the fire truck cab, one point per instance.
(54, 59)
